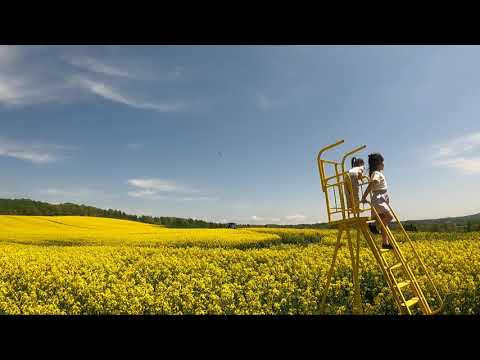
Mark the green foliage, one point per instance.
(453, 224)
(38, 208)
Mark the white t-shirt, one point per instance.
(381, 183)
(356, 172)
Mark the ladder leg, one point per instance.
(330, 272)
(382, 264)
(359, 295)
(356, 303)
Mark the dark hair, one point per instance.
(357, 162)
(374, 161)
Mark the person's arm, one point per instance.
(365, 194)
(367, 191)
(361, 177)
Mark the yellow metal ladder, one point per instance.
(398, 271)
(404, 286)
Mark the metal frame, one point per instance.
(352, 219)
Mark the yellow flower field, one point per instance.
(83, 230)
(82, 265)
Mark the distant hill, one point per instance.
(39, 208)
(297, 226)
(458, 223)
(457, 219)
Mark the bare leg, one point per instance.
(385, 218)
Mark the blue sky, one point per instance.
(231, 133)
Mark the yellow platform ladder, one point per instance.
(348, 214)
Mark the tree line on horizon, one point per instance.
(39, 208)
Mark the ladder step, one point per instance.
(386, 251)
(396, 266)
(410, 302)
(403, 284)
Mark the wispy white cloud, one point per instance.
(9, 92)
(256, 218)
(24, 84)
(200, 198)
(109, 93)
(97, 66)
(467, 166)
(154, 189)
(19, 91)
(295, 217)
(458, 146)
(155, 184)
(134, 69)
(37, 153)
(23, 91)
(461, 153)
(27, 80)
(146, 194)
(264, 219)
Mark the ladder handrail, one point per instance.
(380, 261)
(404, 263)
(320, 162)
(328, 147)
(425, 269)
(399, 255)
(357, 149)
